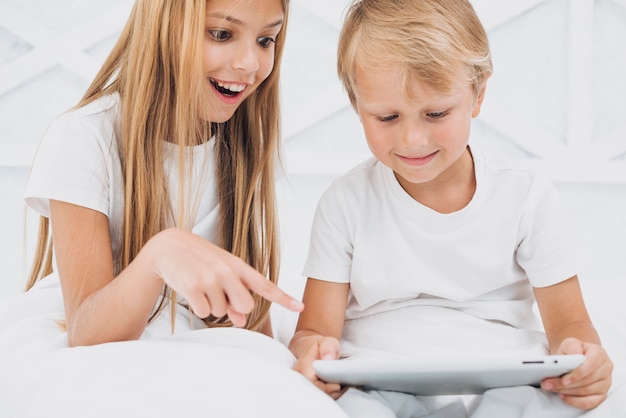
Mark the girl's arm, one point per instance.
(319, 328)
(97, 307)
(102, 308)
(569, 330)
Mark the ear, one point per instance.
(480, 98)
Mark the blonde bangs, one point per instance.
(438, 43)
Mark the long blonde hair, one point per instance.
(438, 42)
(156, 68)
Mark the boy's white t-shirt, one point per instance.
(481, 260)
(78, 162)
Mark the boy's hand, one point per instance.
(588, 385)
(319, 348)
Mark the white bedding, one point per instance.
(212, 372)
(605, 302)
(216, 373)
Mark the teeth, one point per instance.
(232, 87)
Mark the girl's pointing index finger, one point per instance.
(259, 284)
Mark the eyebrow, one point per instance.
(239, 22)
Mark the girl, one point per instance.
(431, 247)
(159, 185)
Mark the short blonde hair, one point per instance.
(439, 42)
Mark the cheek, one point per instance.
(265, 68)
(458, 131)
(211, 58)
(377, 139)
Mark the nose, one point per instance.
(246, 57)
(414, 134)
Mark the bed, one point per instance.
(213, 372)
(218, 372)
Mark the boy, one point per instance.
(430, 246)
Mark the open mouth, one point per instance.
(227, 89)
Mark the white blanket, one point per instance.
(210, 372)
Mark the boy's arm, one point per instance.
(564, 314)
(319, 328)
(323, 315)
(569, 330)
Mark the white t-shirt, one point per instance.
(78, 162)
(481, 260)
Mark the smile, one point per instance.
(418, 161)
(227, 89)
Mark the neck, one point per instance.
(452, 190)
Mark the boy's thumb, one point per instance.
(329, 350)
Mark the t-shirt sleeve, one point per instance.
(330, 248)
(551, 250)
(70, 165)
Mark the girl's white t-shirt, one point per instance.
(78, 162)
(481, 260)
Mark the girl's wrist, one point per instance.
(146, 262)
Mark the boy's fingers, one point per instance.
(332, 389)
(304, 365)
(571, 346)
(584, 402)
(329, 349)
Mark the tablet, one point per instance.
(444, 376)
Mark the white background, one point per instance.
(556, 99)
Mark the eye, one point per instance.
(266, 42)
(437, 115)
(220, 35)
(386, 119)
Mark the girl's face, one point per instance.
(239, 48)
(422, 137)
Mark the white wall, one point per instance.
(555, 99)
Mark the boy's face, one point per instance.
(420, 136)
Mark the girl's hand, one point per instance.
(212, 280)
(588, 385)
(319, 348)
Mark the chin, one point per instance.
(219, 117)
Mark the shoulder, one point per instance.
(85, 136)
(88, 132)
(99, 108)
(363, 175)
(358, 182)
(98, 118)
(77, 159)
(510, 175)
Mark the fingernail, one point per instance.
(567, 382)
(296, 305)
(547, 386)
